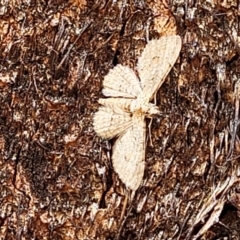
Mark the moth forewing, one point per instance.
(129, 153)
(117, 103)
(156, 61)
(121, 81)
(109, 123)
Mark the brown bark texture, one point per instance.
(56, 175)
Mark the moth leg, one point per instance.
(150, 124)
(149, 132)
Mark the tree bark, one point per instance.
(57, 180)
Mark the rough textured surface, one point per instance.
(56, 177)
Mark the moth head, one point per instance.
(152, 110)
(149, 110)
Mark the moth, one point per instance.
(123, 114)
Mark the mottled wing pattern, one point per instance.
(129, 153)
(109, 123)
(122, 103)
(121, 81)
(157, 59)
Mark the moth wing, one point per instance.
(128, 156)
(121, 81)
(109, 123)
(156, 61)
(116, 103)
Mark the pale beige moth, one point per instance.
(123, 114)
